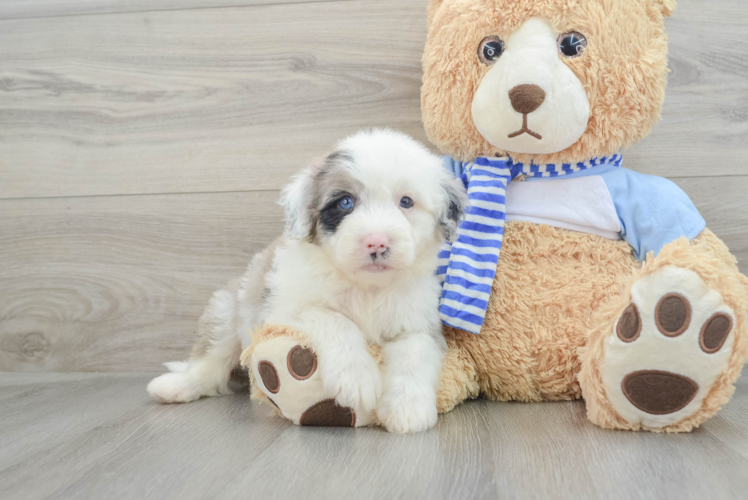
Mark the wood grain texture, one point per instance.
(21, 9)
(220, 106)
(98, 436)
(238, 98)
(117, 283)
(705, 117)
(723, 203)
(195, 101)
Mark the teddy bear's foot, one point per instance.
(286, 373)
(668, 350)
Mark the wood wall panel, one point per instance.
(141, 152)
(21, 9)
(238, 98)
(116, 283)
(200, 100)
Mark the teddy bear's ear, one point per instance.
(666, 6)
(434, 6)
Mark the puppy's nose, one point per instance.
(526, 98)
(376, 244)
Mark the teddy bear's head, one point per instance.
(545, 80)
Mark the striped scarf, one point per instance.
(467, 267)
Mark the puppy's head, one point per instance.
(379, 206)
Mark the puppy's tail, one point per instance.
(176, 366)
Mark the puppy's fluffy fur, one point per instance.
(354, 266)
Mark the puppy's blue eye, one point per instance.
(406, 202)
(346, 203)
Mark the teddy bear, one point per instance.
(572, 276)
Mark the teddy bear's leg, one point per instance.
(284, 372)
(664, 355)
(459, 377)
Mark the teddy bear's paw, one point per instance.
(668, 348)
(289, 375)
(406, 413)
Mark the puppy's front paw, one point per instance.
(174, 388)
(401, 414)
(355, 382)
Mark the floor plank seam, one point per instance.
(269, 190)
(123, 195)
(148, 11)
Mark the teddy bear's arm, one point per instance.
(652, 211)
(348, 371)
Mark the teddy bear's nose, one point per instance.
(526, 98)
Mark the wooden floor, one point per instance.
(97, 436)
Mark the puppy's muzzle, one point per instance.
(377, 246)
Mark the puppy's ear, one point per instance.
(453, 207)
(296, 200)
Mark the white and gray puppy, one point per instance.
(354, 266)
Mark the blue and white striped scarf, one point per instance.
(468, 266)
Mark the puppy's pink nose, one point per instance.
(376, 243)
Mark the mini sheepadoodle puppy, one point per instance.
(354, 266)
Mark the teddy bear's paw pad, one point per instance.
(715, 332)
(668, 347)
(269, 376)
(658, 392)
(288, 375)
(302, 362)
(327, 414)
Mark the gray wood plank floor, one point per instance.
(98, 436)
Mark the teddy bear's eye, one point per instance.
(490, 49)
(571, 44)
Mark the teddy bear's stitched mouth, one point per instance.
(525, 130)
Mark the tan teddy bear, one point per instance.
(608, 287)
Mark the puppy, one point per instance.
(355, 266)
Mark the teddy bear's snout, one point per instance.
(526, 98)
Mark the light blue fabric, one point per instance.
(652, 210)
(453, 166)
